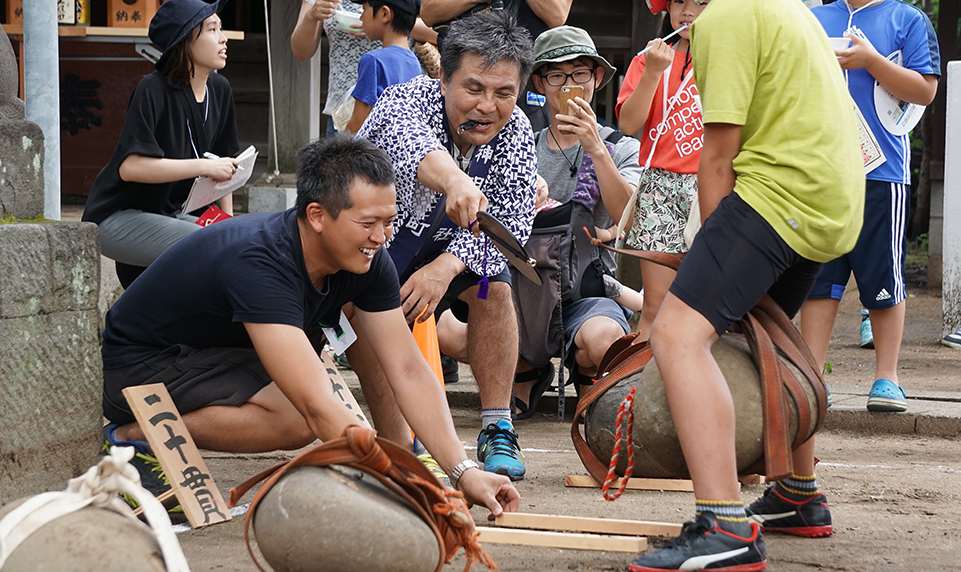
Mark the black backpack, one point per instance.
(570, 268)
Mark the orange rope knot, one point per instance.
(363, 444)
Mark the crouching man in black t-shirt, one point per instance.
(230, 320)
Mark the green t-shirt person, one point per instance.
(799, 165)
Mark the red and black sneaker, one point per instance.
(703, 545)
(776, 513)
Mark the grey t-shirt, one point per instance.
(555, 166)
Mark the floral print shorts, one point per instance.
(661, 211)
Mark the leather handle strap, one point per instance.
(615, 353)
(629, 361)
(778, 459)
(442, 508)
(671, 260)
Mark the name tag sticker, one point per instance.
(340, 336)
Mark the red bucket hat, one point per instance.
(657, 5)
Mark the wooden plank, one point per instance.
(586, 524)
(634, 483)
(340, 387)
(566, 540)
(752, 479)
(93, 31)
(168, 499)
(178, 455)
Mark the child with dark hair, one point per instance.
(658, 105)
(892, 65)
(389, 21)
(176, 116)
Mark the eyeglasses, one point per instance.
(557, 79)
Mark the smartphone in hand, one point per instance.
(569, 92)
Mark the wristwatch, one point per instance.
(456, 472)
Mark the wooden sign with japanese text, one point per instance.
(341, 391)
(178, 455)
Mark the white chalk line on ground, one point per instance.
(939, 468)
(234, 513)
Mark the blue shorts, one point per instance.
(736, 258)
(878, 257)
(576, 313)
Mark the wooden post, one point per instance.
(292, 90)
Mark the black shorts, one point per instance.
(736, 258)
(194, 378)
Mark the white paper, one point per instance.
(870, 149)
(898, 117)
(205, 191)
(342, 336)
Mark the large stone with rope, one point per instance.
(92, 538)
(341, 520)
(657, 451)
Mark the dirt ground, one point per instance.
(895, 498)
(894, 501)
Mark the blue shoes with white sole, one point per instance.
(887, 396)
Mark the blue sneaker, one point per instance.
(867, 334)
(887, 396)
(497, 448)
(152, 476)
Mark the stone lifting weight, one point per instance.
(90, 539)
(341, 520)
(657, 451)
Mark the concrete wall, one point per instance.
(21, 169)
(50, 369)
(951, 238)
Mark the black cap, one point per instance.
(175, 19)
(410, 6)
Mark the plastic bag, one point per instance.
(343, 110)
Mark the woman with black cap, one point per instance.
(177, 116)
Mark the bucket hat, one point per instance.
(569, 43)
(175, 19)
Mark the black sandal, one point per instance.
(544, 376)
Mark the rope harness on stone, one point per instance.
(441, 507)
(774, 343)
(627, 424)
(98, 487)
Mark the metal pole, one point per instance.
(41, 86)
(951, 245)
(315, 105)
